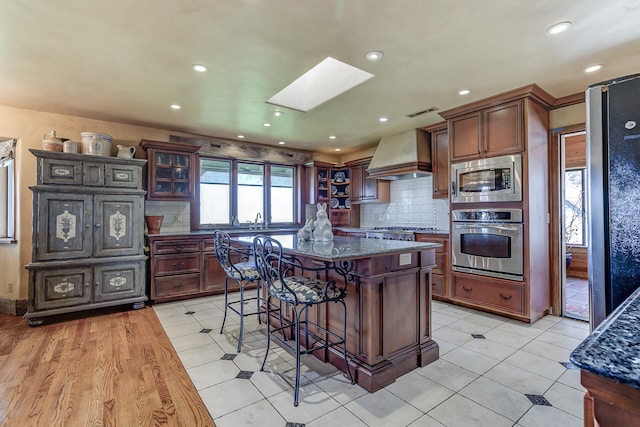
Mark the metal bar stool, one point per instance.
(238, 264)
(285, 280)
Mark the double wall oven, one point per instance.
(489, 242)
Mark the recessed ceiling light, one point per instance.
(332, 137)
(464, 92)
(200, 68)
(241, 136)
(175, 106)
(383, 119)
(593, 68)
(266, 125)
(559, 27)
(338, 149)
(281, 142)
(374, 55)
(278, 113)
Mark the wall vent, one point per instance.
(419, 113)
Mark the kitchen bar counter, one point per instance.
(610, 362)
(388, 304)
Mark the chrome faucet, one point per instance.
(256, 223)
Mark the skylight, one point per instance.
(321, 83)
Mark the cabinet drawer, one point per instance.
(175, 264)
(176, 246)
(420, 237)
(182, 284)
(489, 292)
(65, 172)
(62, 288)
(208, 245)
(437, 285)
(122, 176)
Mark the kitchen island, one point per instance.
(609, 360)
(388, 304)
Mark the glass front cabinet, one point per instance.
(171, 171)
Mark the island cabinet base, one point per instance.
(609, 403)
(388, 318)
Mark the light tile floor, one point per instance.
(476, 381)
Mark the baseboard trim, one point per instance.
(17, 307)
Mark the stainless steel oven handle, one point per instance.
(488, 225)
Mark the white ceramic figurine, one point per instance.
(323, 232)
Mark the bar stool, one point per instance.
(244, 271)
(284, 279)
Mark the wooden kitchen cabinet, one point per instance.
(363, 188)
(88, 234)
(488, 132)
(439, 273)
(439, 136)
(171, 170)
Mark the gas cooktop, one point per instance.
(409, 229)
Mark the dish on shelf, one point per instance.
(347, 203)
(339, 177)
(334, 202)
(334, 189)
(346, 190)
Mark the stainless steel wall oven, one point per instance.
(488, 242)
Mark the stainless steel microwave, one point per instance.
(495, 179)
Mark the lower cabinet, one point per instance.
(488, 293)
(64, 287)
(185, 266)
(440, 273)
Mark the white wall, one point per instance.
(411, 204)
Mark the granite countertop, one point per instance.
(231, 231)
(343, 248)
(612, 350)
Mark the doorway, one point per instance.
(573, 215)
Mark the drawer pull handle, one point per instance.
(178, 266)
(466, 289)
(505, 298)
(178, 248)
(180, 286)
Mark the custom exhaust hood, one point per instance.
(402, 156)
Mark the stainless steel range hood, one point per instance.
(402, 156)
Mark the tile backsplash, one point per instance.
(176, 215)
(411, 205)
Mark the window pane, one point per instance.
(282, 202)
(574, 208)
(215, 195)
(250, 191)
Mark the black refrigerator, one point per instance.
(613, 163)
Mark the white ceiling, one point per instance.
(127, 61)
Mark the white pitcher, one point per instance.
(127, 152)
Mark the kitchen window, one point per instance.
(233, 190)
(574, 209)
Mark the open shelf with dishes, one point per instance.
(329, 184)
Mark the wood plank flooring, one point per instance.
(113, 369)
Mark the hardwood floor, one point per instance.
(113, 369)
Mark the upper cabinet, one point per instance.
(363, 188)
(489, 132)
(171, 172)
(439, 136)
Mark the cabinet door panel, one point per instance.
(63, 227)
(62, 288)
(118, 230)
(503, 129)
(93, 174)
(440, 155)
(465, 134)
(357, 185)
(118, 281)
(214, 275)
